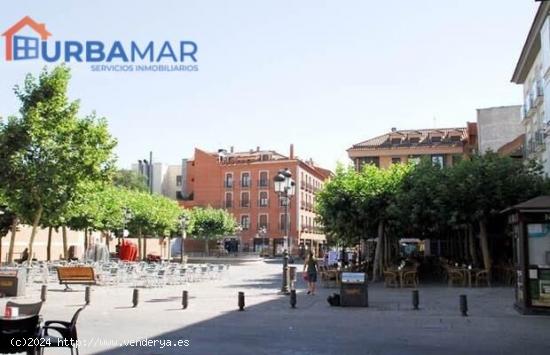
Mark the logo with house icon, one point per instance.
(19, 47)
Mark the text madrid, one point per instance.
(97, 51)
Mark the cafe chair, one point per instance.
(482, 277)
(18, 331)
(67, 331)
(455, 276)
(391, 279)
(29, 309)
(410, 278)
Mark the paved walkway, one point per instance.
(212, 324)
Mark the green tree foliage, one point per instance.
(355, 204)
(47, 151)
(209, 223)
(130, 180)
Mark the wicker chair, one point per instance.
(455, 276)
(482, 277)
(391, 279)
(410, 278)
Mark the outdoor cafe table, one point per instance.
(467, 272)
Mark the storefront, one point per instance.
(529, 224)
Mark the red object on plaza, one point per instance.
(128, 251)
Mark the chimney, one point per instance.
(231, 149)
(258, 148)
(291, 154)
(393, 129)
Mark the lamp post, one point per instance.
(183, 224)
(285, 189)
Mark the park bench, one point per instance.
(76, 275)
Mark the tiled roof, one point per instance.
(424, 136)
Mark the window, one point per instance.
(25, 47)
(245, 222)
(414, 159)
(414, 140)
(245, 180)
(228, 180)
(368, 160)
(228, 200)
(455, 138)
(262, 221)
(179, 180)
(395, 160)
(263, 199)
(436, 139)
(283, 201)
(438, 160)
(264, 179)
(396, 141)
(245, 199)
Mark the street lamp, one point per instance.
(285, 187)
(127, 217)
(183, 224)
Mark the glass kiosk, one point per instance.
(530, 227)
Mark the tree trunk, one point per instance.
(12, 239)
(140, 254)
(65, 246)
(465, 236)
(145, 247)
(473, 252)
(35, 223)
(49, 246)
(85, 239)
(206, 249)
(378, 251)
(485, 246)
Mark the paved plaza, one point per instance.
(212, 323)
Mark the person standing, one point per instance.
(311, 267)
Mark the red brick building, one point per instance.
(242, 183)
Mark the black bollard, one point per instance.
(135, 297)
(415, 299)
(87, 292)
(241, 301)
(184, 299)
(43, 292)
(293, 298)
(464, 305)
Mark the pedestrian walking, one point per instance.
(310, 268)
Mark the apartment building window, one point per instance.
(414, 159)
(228, 200)
(436, 139)
(283, 201)
(414, 140)
(262, 221)
(228, 180)
(245, 199)
(455, 138)
(245, 222)
(245, 180)
(263, 199)
(395, 141)
(179, 180)
(438, 160)
(264, 179)
(368, 160)
(395, 160)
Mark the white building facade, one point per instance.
(533, 72)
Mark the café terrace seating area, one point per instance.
(124, 273)
(437, 270)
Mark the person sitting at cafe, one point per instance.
(24, 256)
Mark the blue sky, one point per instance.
(320, 74)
